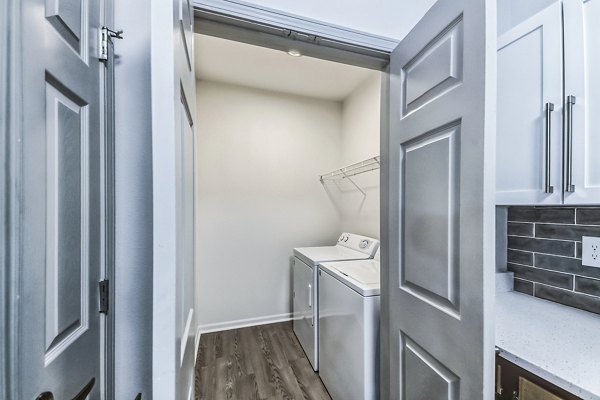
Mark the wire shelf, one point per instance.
(367, 165)
(370, 164)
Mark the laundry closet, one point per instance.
(271, 128)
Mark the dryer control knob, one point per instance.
(363, 244)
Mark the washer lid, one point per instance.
(363, 272)
(362, 276)
(316, 255)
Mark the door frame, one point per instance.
(266, 27)
(248, 23)
(8, 105)
(108, 170)
(11, 65)
(260, 26)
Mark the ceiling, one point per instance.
(222, 60)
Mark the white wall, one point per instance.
(390, 18)
(360, 140)
(259, 155)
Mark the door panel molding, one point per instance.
(436, 70)
(69, 19)
(422, 376)
(66, 220)
(433, 216)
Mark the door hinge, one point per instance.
(106, 35)
(103, 290)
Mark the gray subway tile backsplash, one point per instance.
(549, 215)
(520, 228)
(568, 298)
(561, 264)
(523, 286)
(519, 257)
(565, 232)
(586, 285)
(562, 248)
(544, 253)
(557, 279)
(588, 216)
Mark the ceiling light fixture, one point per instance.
(294, 53)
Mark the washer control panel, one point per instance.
(344, 238)
(360, 243)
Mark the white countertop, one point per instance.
(560, 344)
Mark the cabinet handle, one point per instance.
(310, 294)
(548, 188)
(568, 143)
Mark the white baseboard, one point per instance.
(242, 323)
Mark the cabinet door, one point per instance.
(530, 76)
(582, 81)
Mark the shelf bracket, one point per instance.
(354, 183)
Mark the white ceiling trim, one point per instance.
(253, 13)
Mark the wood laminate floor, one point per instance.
(260, 362)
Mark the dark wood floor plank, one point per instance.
(246, 388)
(223, 389)
(207, 349)
(262, 372)
(207, 383)
(255, 363)
(309, 382)
(244, 367)
(281, 377)
(293, 349)
(218, 344)
(277, 349)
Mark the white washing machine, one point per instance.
(349, 328)
(306, 280)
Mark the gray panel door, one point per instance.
(59, 347)
(437, 275)
(174, 110)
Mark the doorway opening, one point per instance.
(270, 123)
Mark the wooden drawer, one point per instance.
(516, 383)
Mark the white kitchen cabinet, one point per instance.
(565, 169)
(530, 77)
(582, 81)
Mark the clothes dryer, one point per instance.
(306, 285)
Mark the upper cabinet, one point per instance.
(529, 106)
(546, 135)
(582, 92)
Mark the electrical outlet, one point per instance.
(591, 251)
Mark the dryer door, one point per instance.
(303, 308)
